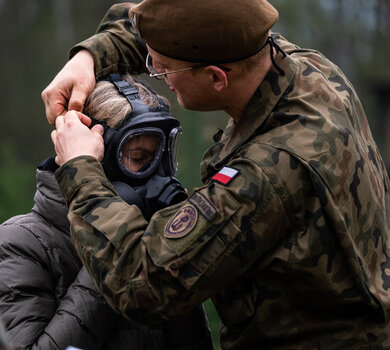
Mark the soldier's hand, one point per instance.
(70, 87)
(72, 138)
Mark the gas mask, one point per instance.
(140, 153)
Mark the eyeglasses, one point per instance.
(154, 74)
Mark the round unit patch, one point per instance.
(182, 223)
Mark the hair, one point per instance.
(107, 104)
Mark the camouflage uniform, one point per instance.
(291, 245)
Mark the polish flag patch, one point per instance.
(225, 175)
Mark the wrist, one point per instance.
(76, 172)
(85, 56)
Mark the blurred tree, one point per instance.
(14, 184)
(64, 24)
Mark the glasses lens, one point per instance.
(152, 71)
(139, 152)
(149, 64)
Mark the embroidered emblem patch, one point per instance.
(204, 206)
(182, 223)
(225, 175)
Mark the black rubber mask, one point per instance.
(140, 153)
(143, 144)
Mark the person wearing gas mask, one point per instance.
(47, 299)
(140, 156)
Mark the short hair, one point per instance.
(107, 104)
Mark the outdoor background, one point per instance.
(35, 36)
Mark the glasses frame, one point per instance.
(160, 76)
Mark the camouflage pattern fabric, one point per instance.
(115, 47)
(288, 235)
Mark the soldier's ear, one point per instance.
(218, 77)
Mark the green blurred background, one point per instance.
(35, 36)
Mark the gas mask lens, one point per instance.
(140, 151)
(173, 151)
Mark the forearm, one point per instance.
(115, 47)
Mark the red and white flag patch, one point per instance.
(225, 175)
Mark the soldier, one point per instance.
(288, 235)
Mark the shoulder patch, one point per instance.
(205, 207)
(182, 223)
(225, 175)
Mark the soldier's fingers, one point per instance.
(53, 136)
(60, 120)
(85, 119)
(98, 129)
(72, 116)
(55, 104)
(78, 96)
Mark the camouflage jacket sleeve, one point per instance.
(186, 253)
(115, 47)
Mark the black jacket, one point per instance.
(48, 300)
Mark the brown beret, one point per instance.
(206, 31)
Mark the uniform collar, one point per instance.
(256, 112)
